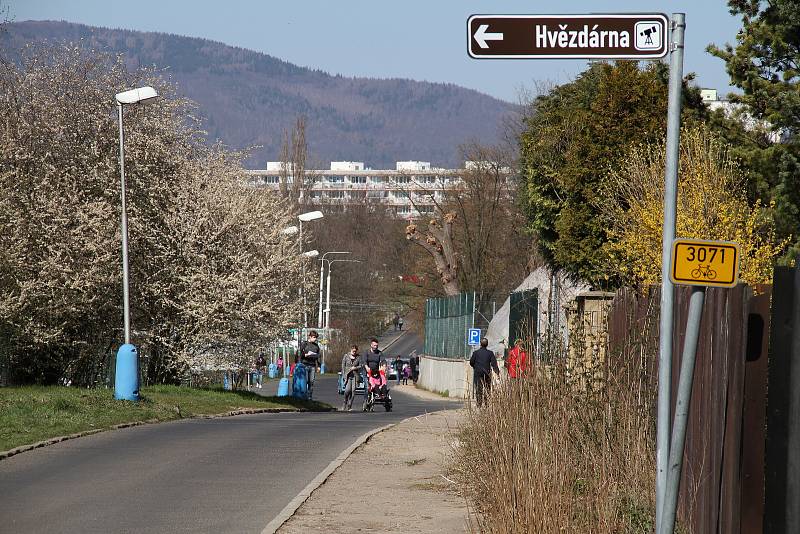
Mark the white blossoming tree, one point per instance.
(212, 276)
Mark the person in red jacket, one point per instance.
(517, 361)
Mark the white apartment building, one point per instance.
(411, 189)
(732, 109)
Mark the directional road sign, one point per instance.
(620, 36)
(704, 263)
(474, 336)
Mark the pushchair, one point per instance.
(377, 392)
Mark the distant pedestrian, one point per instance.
(517, 361)
(406, 374)
(291, 367)
(261, 364)
(396, 321)
(279, 364)
(310, 357)
(352, 365)
(414, 364)
(400, 323)
(483, 361)
(397, 365)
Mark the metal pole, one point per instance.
(300, 291)
(321, 273)
(682, 404)
(667, 297)
(126, 311)
(328, 300)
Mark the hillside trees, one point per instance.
(572, 137)
(765, 64)
(210, 271)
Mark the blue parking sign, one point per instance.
(474, 336)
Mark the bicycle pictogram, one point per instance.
(706, 272)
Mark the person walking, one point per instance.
(261, 364)
(406, 374)
(398, 368)
(352, 364)
(400, 323)
(517, 361)
(414, 364)
(483, 361)
(395, 321)
(279, 364)
(309, 357)
(373, 358)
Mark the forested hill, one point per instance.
(247, 98)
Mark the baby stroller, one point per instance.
(377, 392)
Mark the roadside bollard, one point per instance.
(283, 387)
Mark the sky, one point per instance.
(422, 40)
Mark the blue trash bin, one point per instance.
(283, 387)
(272, 370)
(300, 382)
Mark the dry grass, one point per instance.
(545, 456)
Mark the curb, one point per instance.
(289, 510)
(52, 441)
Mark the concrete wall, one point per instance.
(442, 374)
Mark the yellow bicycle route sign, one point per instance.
(704, 263)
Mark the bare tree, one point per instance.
(437, 239)
(294, 156)
(476, 237)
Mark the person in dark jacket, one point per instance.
(483, 361)
(414, 363)
(309, 352)
(397, 364)
(373, 360)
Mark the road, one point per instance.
(198, 475)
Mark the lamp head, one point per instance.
(136, 96)
(310, 216)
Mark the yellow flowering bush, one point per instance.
(711, 205)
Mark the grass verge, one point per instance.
(34, 413)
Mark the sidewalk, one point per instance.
(393, 483)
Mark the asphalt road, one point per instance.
(200, 475)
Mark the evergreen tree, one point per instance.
(573, 136)
(765, 64)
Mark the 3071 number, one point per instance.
(702, 254)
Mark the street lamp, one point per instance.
(126, 378)
(328, 303)
(305, 217)
(321, 273)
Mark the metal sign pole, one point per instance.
(684, 399)
(670, 203)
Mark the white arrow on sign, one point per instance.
(481, 36)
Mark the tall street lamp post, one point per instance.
(126, 378)
(320, 324)
(306, 217)
(328, 303)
